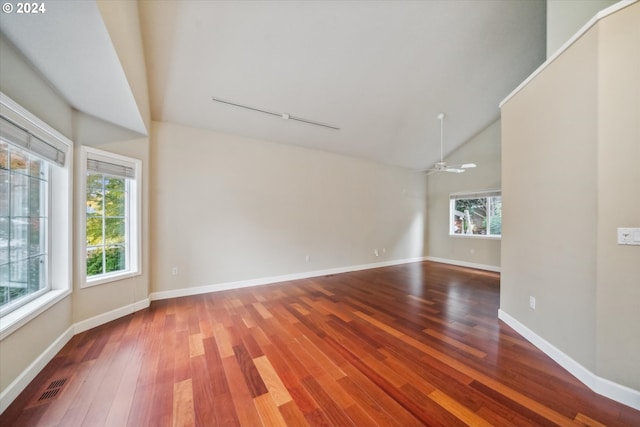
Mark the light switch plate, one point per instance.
(629, 236)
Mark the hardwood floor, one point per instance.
(416, 344)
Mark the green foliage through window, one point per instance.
(106, 224)
(476, 215)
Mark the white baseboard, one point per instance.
(183, 292)
(603, 386)
(9, 394)
(103, 318)
(464, 263)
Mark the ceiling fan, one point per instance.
(442, 166)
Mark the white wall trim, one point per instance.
(10, 393)
(103, 318)
(464, 263)
(600, 15)
(183, 292)
(618, 392)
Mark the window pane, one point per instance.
(109, 204)
(94, 195)
(94, 261)
(18, 160)
(36, 167)
(496, 216)
(19, 195)
(114, 230)
(94, 231)
(4, 193)
(5, 289)
(10, 290)
(471, 214)
(24, 223)
(19, 239)
(37, 236)
(115, 258)
(18, 274)
(476, 216)
(4, 240)
(4, 155)
(36, 274)
(37, 200)
(114, 196)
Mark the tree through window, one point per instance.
(478, 214)
(112, 215)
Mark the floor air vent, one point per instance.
(53, 390)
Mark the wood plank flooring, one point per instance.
(416, 344)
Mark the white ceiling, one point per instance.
(70, 46)
(379, 70)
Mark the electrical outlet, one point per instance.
(532, 303)
(628, 236)
(174, 271)
(375, 252)
(307, 258)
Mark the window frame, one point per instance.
(483, 194)
(4, 310)
(60, 219)
(134, 205)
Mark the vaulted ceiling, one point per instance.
(380, 71)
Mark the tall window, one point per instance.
(26, 163)
(476, 214)
(111, 218)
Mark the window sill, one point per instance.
(108, 278)
(13, 321)
(476, 236)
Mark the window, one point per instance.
(35, 220)
(111, 216)
(476, 214)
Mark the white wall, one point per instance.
(25, 86)
(566, 17)
(122, 22)
(549, 202)
(228, 208)
(618, 293)
(571, 141)
(21, 82)
(484, 150)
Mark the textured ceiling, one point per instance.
(379, 70)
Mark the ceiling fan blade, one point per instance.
(463, 166)
(454, 170)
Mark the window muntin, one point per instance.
(23, 226)
(476, 214)
(111, 216)
(107, 224)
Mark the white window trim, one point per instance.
(135, 216)
(472, 195)
(60, 225)
(476, 236)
